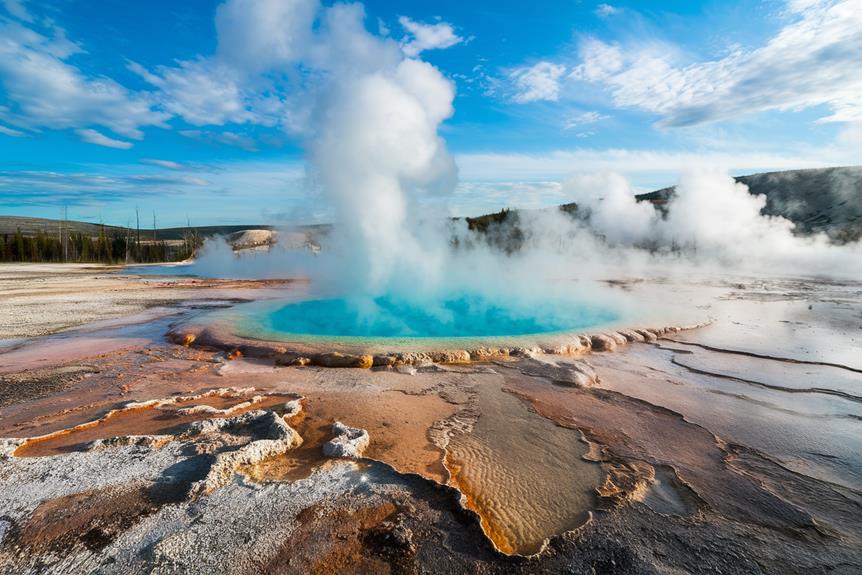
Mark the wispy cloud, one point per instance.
(812, 61)
(583, 119)
(244, 186)
(98, 138)
(555, 165)
(421, 37)
(44, 90)
(167, 164)
(160, 180)
(227, 138)
(270, 58)
(255, 36)
(541, 81)
(10, 132)
(605, 10)
(83, 181)
(17, 9)
(51, 189)
(204, 92)
(477, 198)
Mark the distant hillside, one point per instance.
(32, 226)
(827, 200)
(41, 240)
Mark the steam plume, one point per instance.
(370, 116)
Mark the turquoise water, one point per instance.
(386, 317)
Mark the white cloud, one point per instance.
(382, 28)
(851, 136)
(44, 91)
(203, 92)
(112, 192)
(259, 42)
(556, 165)
(583, 119)
(256, 35)
(812, 61)
(149, 179)
(599, 61)
(39, 186)
(490, 181)
(95, 137)
(17, 10)
(167, 164)
(541, 81)
(227, 138)
(605, 10)
(423, 37)
(10, 132)
(477, 198)
(268, 62)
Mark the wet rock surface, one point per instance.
(348, 442)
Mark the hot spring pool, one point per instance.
(385, 318)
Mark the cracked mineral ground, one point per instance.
(732, 447)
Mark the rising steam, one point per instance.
(370, 116)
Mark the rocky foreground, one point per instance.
(733, 448)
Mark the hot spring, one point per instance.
(389, 318)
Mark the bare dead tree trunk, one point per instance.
(128, 233)
(137, 234)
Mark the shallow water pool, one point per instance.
(387, 317)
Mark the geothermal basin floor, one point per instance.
(733, 448)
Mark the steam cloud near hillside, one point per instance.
(371, 122)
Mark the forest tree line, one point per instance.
(116, 247)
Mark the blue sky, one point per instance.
(106, 105)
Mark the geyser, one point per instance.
(465, 316)
(369, 115)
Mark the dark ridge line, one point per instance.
(674, 349)
(727, 448)
(834, 392)
(606, 394)
(724, 447)
(762, 403)
(837, 488)
(762, 356)
(826, 455)
(767, 404)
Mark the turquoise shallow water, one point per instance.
(386, 317)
